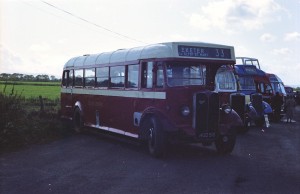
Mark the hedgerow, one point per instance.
(22, 125)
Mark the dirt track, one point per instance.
(263, 161)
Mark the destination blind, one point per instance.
(204, 52)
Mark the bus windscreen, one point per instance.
(184, 74)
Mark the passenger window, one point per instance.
(89, 77)
(117, 76)
(102, 77)
(133, 73)
(79, 78)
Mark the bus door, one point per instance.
(151, 79)
(146, 99)
(67, 94)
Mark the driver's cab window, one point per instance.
(159, 77)
(269, 89)
(147, 74)
(67, 80)
(225, 80)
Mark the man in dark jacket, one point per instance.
(277, 102)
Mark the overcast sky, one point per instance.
(37, 38)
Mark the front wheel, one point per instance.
(156, 140)
(225, 143)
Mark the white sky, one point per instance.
(36, 38)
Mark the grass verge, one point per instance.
(32, 90)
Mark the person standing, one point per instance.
(276, 104)
(297, 97)
(290, 105)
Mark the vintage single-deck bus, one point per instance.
(266, 84)
(247, 86)
(236, 87)
(251, 81)
(230, 93)
(276, 84)
(153, 93)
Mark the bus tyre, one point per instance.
(77, 121)
(155, 137)
(225, 143)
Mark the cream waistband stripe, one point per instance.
(120, 93)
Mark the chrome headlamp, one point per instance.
(185, 111)
(226, 108)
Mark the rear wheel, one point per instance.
(225, 143)
(156, 140)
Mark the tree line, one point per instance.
(26, 77)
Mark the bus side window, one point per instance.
(78, 78)
(102, 77)
(89, 77)
(133, 73)
(147, 75)
(117, 76)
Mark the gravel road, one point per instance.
(263, 161)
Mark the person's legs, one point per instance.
(277, 114)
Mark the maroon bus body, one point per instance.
(124, 106)
(125, 110)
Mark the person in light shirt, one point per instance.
(290, 105)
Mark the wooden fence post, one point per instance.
(42, 104)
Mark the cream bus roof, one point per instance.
(161, 50)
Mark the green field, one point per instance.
(50, 90)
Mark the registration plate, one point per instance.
(209, 135)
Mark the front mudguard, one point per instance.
(267, 107)
(229, 122)
(167, 126)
